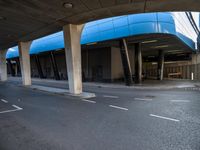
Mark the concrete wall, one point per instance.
(102, 64)
(196, 58)
(116, 64)
(98, 62)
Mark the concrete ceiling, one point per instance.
(24, 20)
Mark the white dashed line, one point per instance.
(89, 101)
(143, 99)
(17, 107)
(117, 107)
(3, 100)
(110, 96)
(166, 118)
(184, 101)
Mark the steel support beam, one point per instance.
(39, 67)
(161, 59)
(138, 63)
(10, 65)
(54, 65)
(126, 62)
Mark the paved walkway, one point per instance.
(148, 84)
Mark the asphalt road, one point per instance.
(117, 119)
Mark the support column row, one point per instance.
(72, 35)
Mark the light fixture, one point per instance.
(92, 43)
(68, 5)
(176, 50)
(161, 46)
(152, 41)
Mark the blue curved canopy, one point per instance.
(113, 28)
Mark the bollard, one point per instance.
(192, 76)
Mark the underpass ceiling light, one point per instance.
(68, 5)
(152, 41)
(94, 43)
(161, 46)
(172, 51)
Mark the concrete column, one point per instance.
(138, 63)
(24, 48)
(161, 59)
(3, 65)
(72, 36)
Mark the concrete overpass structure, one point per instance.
(168, 33)
(23, 21)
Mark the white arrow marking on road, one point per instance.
(13, 110)
(17, 107)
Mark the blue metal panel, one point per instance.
(112, 28)
(143, 28)
(12, 52)
(164, 27)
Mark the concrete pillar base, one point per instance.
(72, 35)
(24, 48)
(3, 65)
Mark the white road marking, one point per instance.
(166, 118)
(143, 99)
(17, 107)
(110, 96)
(117, 107)
(7, 111)
(89, 101)
(13, 110)
(184, 101)
(3, 100)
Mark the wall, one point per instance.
(183, 68)
(116, 64)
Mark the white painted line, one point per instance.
(184, 101)
(17, 107)
(3, 100)
(110, 96)
(143, 99)
(8, 111)
(89, 101)
(117, 107)
(166, 118)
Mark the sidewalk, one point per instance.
(147, 84)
